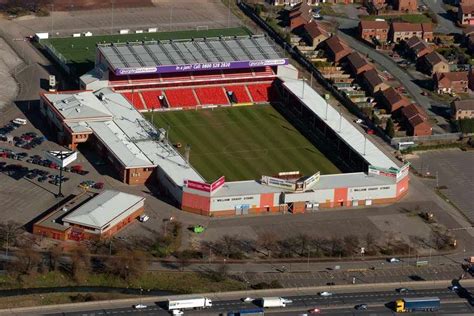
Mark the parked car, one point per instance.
(361, 307)
(143, 218)
(325, 294)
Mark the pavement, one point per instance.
(302, 300)
(445, 25)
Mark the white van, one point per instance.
(20, 121)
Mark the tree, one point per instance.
(79, 263)
(10, 233)
(268, 241)
(351, 243)
(369, 243)
(127, 264)
(54, 254)
(303, 243)
(26, 261)
(390, 128)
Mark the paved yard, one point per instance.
(455, 171)
(165, 15)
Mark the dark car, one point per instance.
(361, 307)
(42, 179)
(31, 175)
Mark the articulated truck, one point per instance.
(189, 303)
(267, 302)
(407, 305)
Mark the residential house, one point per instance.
(372, 82)
(450, 82)
(417, 48)
(415, 121)
(392, 101)
(369, 30)
(468, 33)
(375, 6)
(466, 14)
(433, 63)
(358, 64)
(406, 5)
(336, 49)
(462, 109)
(300, 15)
(314, 34)
(402, 31)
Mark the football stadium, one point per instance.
(223, 126)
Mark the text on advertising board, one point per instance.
(201, 66)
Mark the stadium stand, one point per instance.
(238, 73)
(117, 80)
(263, 72)
(203, 75)
(240, 93)
(181, 98)
(151, 98)
(260, 92)
(211, 95)
(176, 77)
(135, 99)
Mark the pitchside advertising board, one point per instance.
(201, 66)
(206, 187)
(396, 174)
(292, 185)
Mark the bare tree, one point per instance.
(127, 264)
(9, 234)
(54, 254)
(26, 261)
(351, 243)
(303, 241)
(268, 241)
(370, 242)
(80, 263)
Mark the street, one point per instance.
(445, 25)
(374, 298)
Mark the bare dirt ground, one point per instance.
(65, 5)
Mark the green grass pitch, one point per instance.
(242, 143)
(80, 51)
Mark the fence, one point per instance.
(430, 139)
(57, 56)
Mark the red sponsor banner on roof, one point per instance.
(202, 186)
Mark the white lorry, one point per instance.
(189, 303)
(267, 302)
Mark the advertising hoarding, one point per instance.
(67, 157)
(279, 183)
(206, 187)
(312, 180)
(201, 66)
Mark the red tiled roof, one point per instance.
(314, 30)
(406, 27)
(373, 25)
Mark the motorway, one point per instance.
(340, 302)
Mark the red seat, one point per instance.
(240, 93)
(135, 99)
(151, 98)
(211, 95)
(260, 92)
(181, 98)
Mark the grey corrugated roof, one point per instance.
(103, 209)
(163, 53)
(78, 106)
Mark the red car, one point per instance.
(98, 185)
(370, 131)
